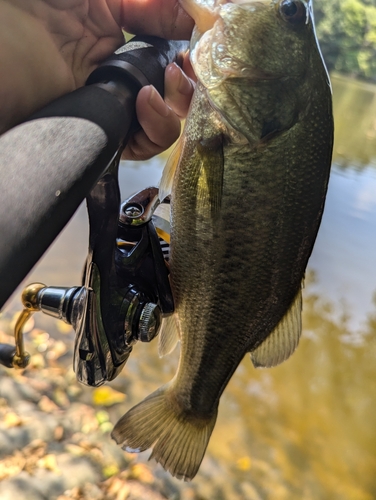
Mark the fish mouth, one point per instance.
(210, 57)
(203, 15)
(206, 13)
(250, 2)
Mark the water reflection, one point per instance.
(355, 123)
(303, 430)
(306, 429)
(344, 257)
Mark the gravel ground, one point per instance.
(55, 434)
(55, 441)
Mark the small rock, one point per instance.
(249, 491)
(21, 487)
(42, 426)
(29, 393)
(50, 484)
(47, 405)
(13, 439)
(59, 433)
(24, 408)
(112, 453)
(6, 444)
(76, 471)
(140, 492)
(9, 389)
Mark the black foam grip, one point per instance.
(47, 167)
(98, 105)
(143, 60)
(7, 352)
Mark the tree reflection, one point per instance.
(355, 123)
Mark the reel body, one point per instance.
(125, 288)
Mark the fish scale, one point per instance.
(247, 197)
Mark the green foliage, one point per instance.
(347, 33)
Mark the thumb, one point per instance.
(164, 18)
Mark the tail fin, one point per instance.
(179, 441)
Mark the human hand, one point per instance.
(49, 48)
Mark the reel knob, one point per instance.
(149, 322)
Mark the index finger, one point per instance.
(164, 18)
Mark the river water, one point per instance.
(306, 429)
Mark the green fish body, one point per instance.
(250, 176)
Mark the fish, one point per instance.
(248, 181)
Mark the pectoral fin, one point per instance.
(165, 185)
(283, 340)
(210, 175)
(161, 220)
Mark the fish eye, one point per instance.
(292, 11)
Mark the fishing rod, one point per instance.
(66, 152)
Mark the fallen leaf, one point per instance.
(12, 420)
(244, 463)
(57, 349)
(37, 361)
(142, 473)
(61, 397)
(64, 327)
(123, 493)
(49, 462)
(59, 433)
(110, 470)
(75, 450)
(106, 396)
(47, 405)
(113, 485)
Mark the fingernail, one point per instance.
(184, 85)
(157, 103)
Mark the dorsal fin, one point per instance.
(283, 340)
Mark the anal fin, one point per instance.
(283, 340)
(169, 335)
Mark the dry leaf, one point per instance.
(106, 396)
(59, 433)
(12, 420)
(142, 473)
(244, 463)
(49, 462)
(47, 405)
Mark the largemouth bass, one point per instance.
(249, 183)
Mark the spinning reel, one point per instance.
(125, 288)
